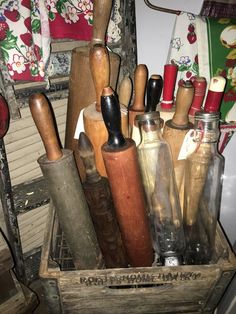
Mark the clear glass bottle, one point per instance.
(203, 185)
(160, 189)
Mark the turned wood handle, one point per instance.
(140, 82)
(101, 16)
(154, 89)
(112, 118)
(4, 117)
(183, 102)
(125, 91)
(43, 118)
(100, 69)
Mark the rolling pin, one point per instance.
(215, 94)
(125, 91)
(175, 130)
(199, 84)
(154, 89)
(81, 88)
(170, 75)
(62, 179)
(121, 161)
(99, 199)
(140, 82)
(93, 121)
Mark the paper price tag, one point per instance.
(80, 125)
(188, 146)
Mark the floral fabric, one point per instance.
(21, 36)
(70, 18)
(27, 26)
(183, 49)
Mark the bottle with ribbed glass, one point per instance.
(160, 189)
(203, 186)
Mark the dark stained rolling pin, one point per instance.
(81, 88)
(154, 90)
(98, 196)
(7, 200)
(121, 161)
(175, 130)
(93, 121)
(61, 175)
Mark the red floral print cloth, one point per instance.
(70, 19)
(26, 29)
(21, 44)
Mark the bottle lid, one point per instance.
(150, 116)
(207, 116)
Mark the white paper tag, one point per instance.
(80, 125)
(188, 146)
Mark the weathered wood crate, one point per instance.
(182, 289)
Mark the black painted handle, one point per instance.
(154, 90)
(112, 118)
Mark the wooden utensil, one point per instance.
(175, 130)
(99, 199)
(93, 121)
(61, 176)
(121, 161)
(81, 88)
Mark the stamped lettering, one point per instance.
(138, 278)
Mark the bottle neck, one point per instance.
(206, 132)
(150, 131)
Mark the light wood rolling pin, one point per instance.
(121, 161)
(93, 121)
(81, 88)
(125, 91)
(62, 179)
(175, 130)
(140, 83)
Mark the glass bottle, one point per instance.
(160, 189)
(203, 184)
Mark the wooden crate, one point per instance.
(182, 289)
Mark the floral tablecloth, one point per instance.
(27, 27)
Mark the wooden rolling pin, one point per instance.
(121, 161)
(199, 84)
(99, 199)
(62, 179)
(93, 121)
(125, 91)
(140, 82)
(175, 130)
(81, 88)
(215, 94)
(170, 75)
(154, 90)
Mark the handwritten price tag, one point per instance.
(188, 146)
